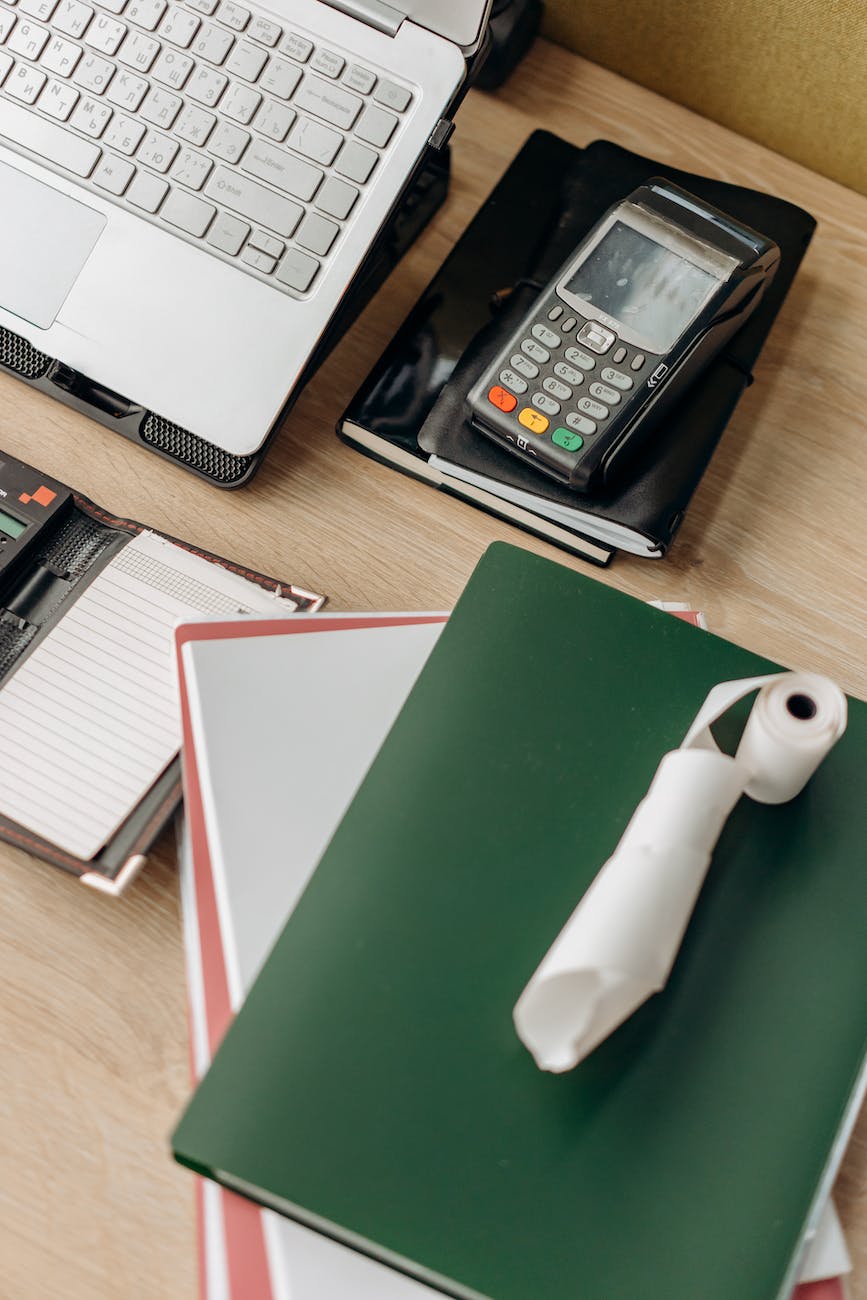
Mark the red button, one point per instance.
(502, 399)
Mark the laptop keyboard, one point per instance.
(217, 123)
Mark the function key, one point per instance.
(233, 15)
(545, 336)
(581, 359)
(545, 403)
(568, 441)
(262, 29)
(524, 366)
(393, 96)
(501, 399)
(618, 355)
(203, 6)
(596, 336)
(360, 79)
(328, 63)
(617, 378)
(296, 47)
(556, 312)
(509, 379)
(581, 423)
(532, 420)
(535, 351)
(637, 361)
(569, 324)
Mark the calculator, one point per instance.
(650, 296)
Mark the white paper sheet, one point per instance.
(620, 943)
(90, 719)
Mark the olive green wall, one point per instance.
(791, 74)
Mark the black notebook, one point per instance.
(410, 410)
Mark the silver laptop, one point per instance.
(188, 187)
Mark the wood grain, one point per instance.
(94, 1065)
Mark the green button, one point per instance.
(566, 438)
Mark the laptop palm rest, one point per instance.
(45, 239)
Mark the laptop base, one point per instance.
(424, 196)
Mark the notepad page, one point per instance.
(91, 718)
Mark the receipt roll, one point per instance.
(619, 944)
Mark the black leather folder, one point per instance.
(410, 411)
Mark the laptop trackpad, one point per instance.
(45, 239)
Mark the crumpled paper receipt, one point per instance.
(619, 944)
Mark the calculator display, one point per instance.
(643, 284)
(10, 526)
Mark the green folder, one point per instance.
(373, 1086)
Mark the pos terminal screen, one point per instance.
(642, 284)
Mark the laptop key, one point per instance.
(297, 270)
(332, 103)
(188, 213)
(282, 170)
(229, 142)
(356, 163)
(315, 141)
(393, 96)
(328, 63)
(261, 206)
(316, 234)
(336, 198)
(228, 234)
(49, 141)
(113, 174)
(376, 126)
(297, 47)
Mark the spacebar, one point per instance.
(51, 142)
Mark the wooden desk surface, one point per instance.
(94, 1064)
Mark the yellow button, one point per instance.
(532, 420)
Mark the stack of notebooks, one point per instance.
(458, 783)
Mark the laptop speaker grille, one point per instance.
(22, 357)
(192, 451)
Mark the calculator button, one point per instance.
(546, 404)
(604, 393)
(580, 422)
(546, 336)
(524, 366)
(618, 355)
(509, 379)
(637, 361)
(569, 324)
(501, 399)
(557, 389)
(617, 378)
(596, 409)
(555, 313)
(569, 373)
(535, 350)
(532, 420)
(567, 440)
(596, 336)
(579, 358)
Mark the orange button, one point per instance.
(532, 420)
(503, 399)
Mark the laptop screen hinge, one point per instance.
(384, 17)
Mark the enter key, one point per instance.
(282, 170)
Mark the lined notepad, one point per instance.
(91, 718)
